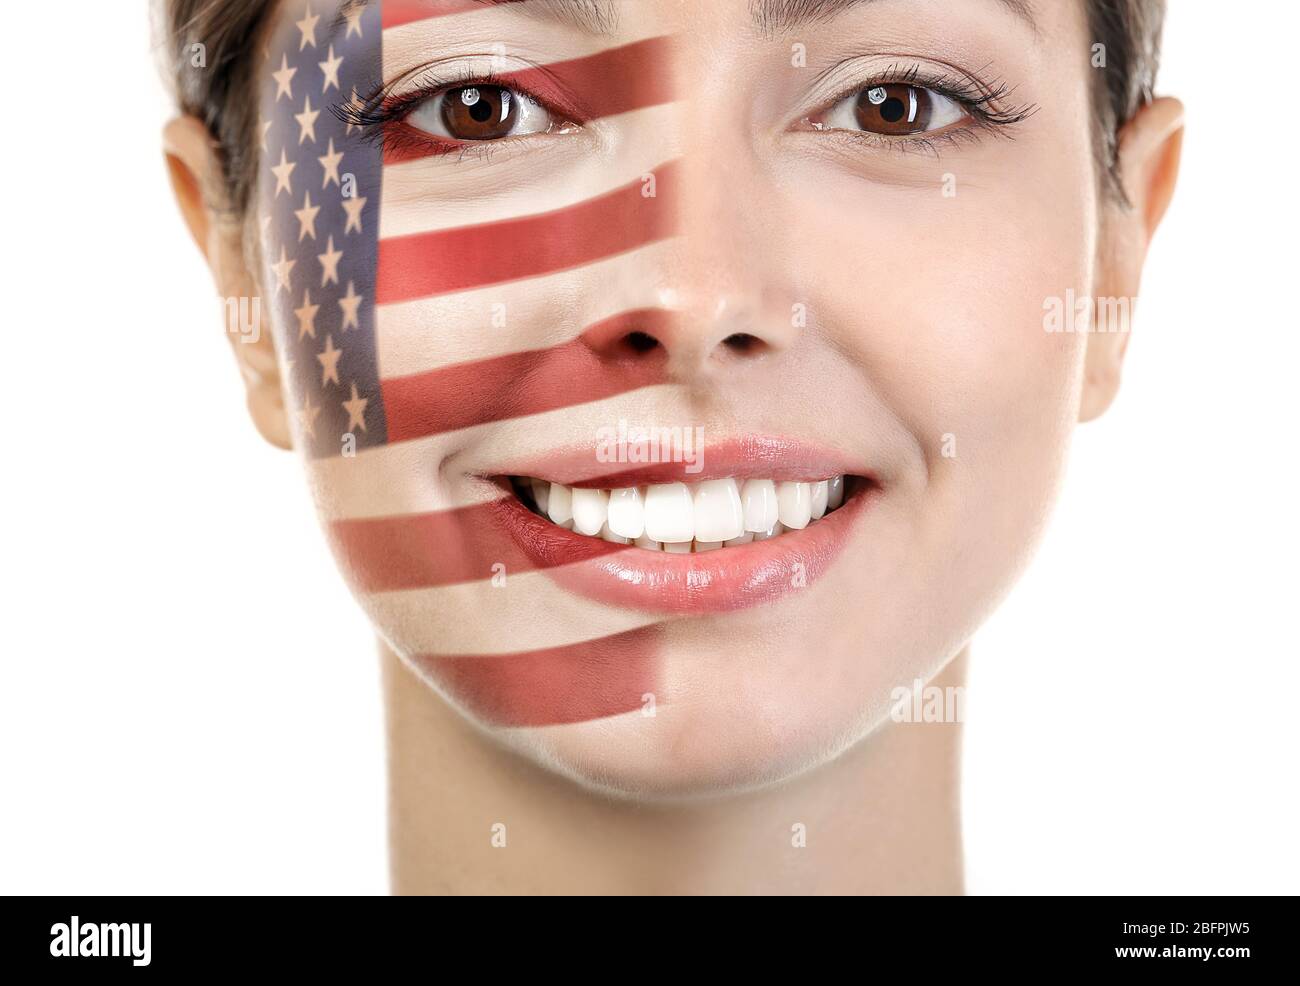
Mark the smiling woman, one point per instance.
(818, 236)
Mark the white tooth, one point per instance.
(627, 512)
(670, 514)
(607, 535)
(835, 493)
(758, 497)
(648, 543)
(743, 539)
(770, 533)
(707, 546)
(559, 504)
(820, 493)
(794, 501)
(541, 493)
(677, 547)
(718, 514)
(589, 511)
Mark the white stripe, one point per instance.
(527, 39)
(366, 485)
(433, 193)
(535, 313)
(529, 612)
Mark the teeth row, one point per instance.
(679, 518)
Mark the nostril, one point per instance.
(742, 342)
(640, 342)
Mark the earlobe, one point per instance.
(1150, 150)
(194, 168)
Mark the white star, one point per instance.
(354, 20)
(308, 28)
(282, 171)
(266, 128)
(307, 121)
(284, 79)
(329, 362)
(306, 218)
(350, 303)
(329, 263)
(306, 317)
(331, 69)
(307, 417)
(282, 270)
(355, 105)
(330, 162)
(356, 409)
(353, 208)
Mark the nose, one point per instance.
(722, 305)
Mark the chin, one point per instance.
(741, 706)
(680, 754)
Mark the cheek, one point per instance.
(941, 302)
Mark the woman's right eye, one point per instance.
(480, 112)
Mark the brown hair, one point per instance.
(224, 93)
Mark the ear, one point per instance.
(194, 168)
(1150, 147)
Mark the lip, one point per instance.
(690, 584)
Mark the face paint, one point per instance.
(619, 80)
(494, 233)
(520, 384)
(385, 300)
(321, 193)
(574, 683)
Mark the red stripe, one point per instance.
(398, 12)
(518, 384)
(422, 265)
(619, 80)
(575, 683)
(422, 551)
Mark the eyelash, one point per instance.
(984, 105)
(381, 117)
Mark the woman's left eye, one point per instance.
(480, 112)
(892, 110)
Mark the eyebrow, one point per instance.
(592, 16)
(777, 16)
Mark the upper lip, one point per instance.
(749, 456)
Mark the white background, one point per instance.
(189, 698)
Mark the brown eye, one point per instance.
(481, 112)
(892, 109)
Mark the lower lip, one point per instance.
(718, 581)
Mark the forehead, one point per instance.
(323, 20)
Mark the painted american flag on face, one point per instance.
(321, 189)
(388, 288)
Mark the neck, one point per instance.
(883, 818)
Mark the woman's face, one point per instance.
(805, 248)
